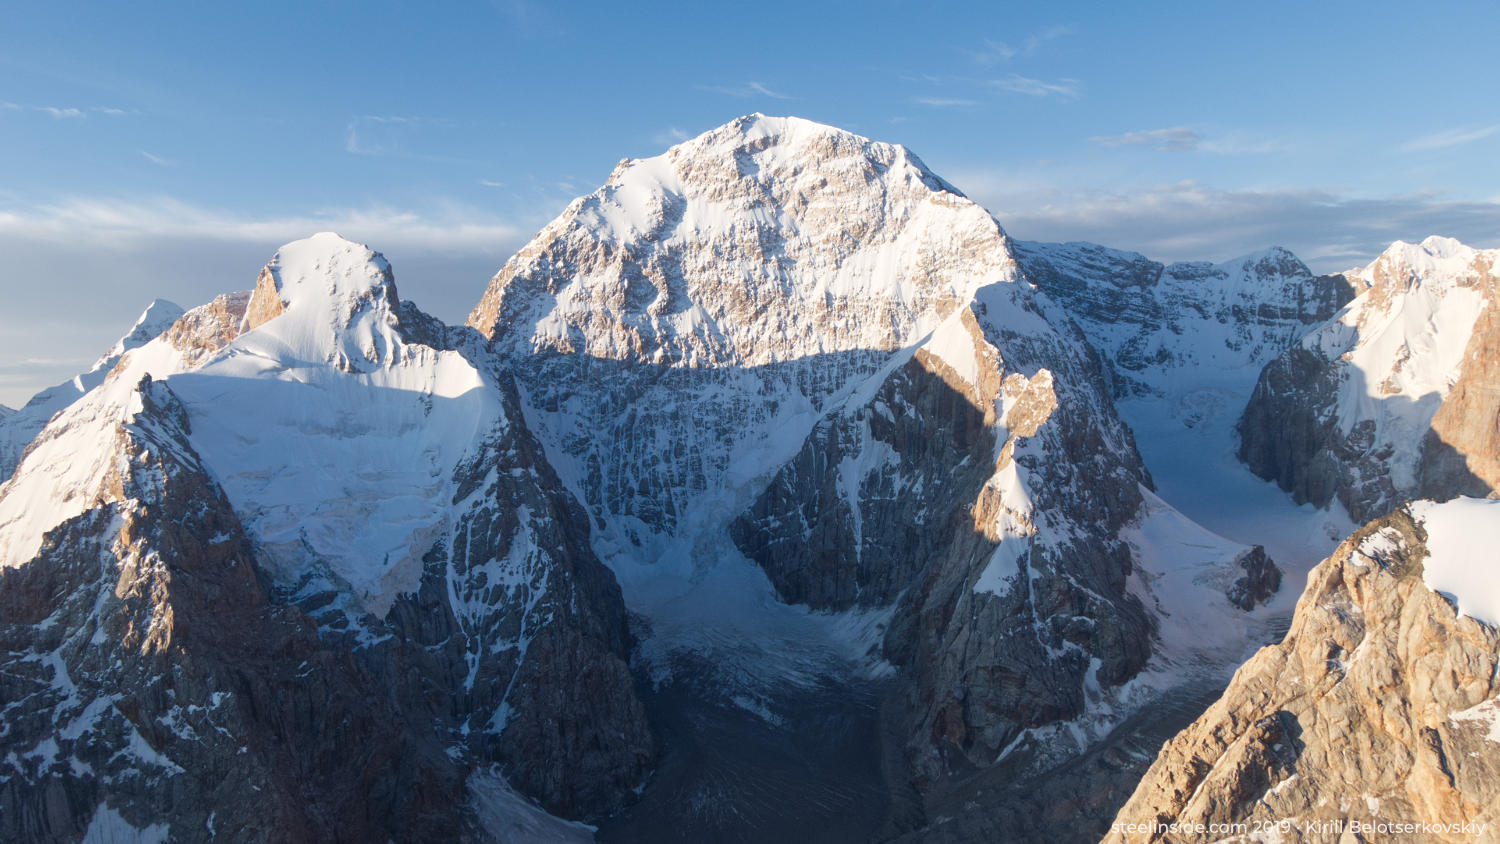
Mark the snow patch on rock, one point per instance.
(1462, 536)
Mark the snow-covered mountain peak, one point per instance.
(19, 427)
(325, 299)
(1363, 397)
(1273, 262)
(319, 378)
(765, 239)
(1435, 262)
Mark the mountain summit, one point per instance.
(786, 367)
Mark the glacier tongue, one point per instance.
(1184, 344)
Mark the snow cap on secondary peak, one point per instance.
(158, 317)
(1274, 261)
(1437, 260)
(318, 270)
(327, 297)
(1437, 244)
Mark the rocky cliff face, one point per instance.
(150, 682)
(1153, 321)
(1355, 412)
(988, 511)
(1379, 706)
(343, 550)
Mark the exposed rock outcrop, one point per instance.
(150, 677)
(1379, 706)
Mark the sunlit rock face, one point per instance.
(1379, 706)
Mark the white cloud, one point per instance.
(995, 52)
(491, 184)
(669, 136)
(156, 159)
(126, 223)
(749, 89)
(1449, 138)
(61, 113)
(1330, 230)
(1068, 89)
(945, 102)
(1174, 139)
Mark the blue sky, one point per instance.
(168, 148)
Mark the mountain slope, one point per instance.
(784, 346)
(1380, 705)
(387, 498)
(148, 682)
(1355, 412)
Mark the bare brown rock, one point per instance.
(205, 329)
(1371, 710)
(265, 302)
(1461, 455)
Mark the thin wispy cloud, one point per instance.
(66, 112)
(669, 136)
(388, 118)
(491, 184)
(156, 159)
(945, 102)
(398, 135)
(526, 17)
(1175, 139)
(1015, 83)
(749, 89)
(1449, 138)
(993, 52)
(132, 222)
